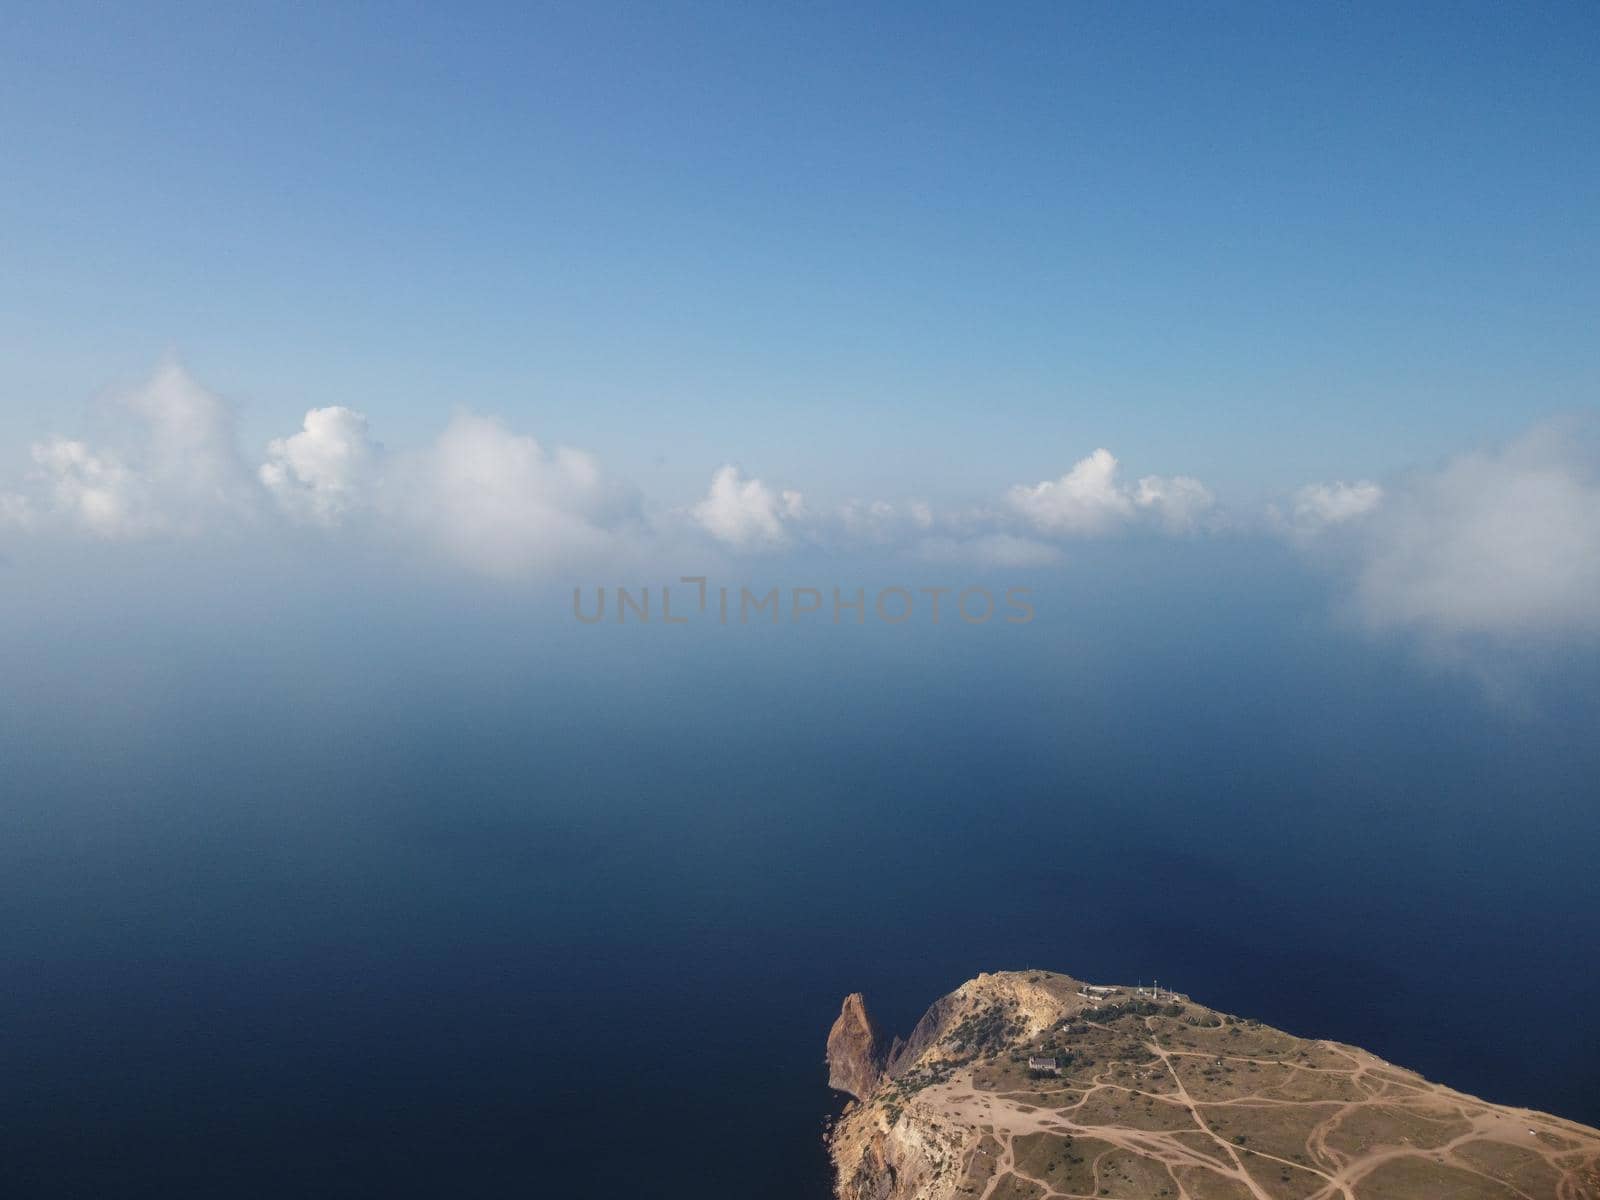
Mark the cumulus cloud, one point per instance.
(1085, 501)
(499, 502)
(171, 467)
(480, 494)
(746, 514)
(1090, 500)
(1503, 544)
(486, 497)
(325, 471)
(1500, 546)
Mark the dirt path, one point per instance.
(1565, 1149)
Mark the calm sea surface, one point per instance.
(432, 899)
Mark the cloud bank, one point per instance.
(1028, 527)
(497, 501)
(478, 495)
(1499, 544)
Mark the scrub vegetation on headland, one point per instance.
(1031, 1085)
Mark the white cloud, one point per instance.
(189, 447)
(1085, 501)
(1177, 502)
(1089, 500)
(92, 491)
(1320, 506)
(326, 470)
(498, 502)
(171, 468)
(1504, 544)
(481, 495)
(745, 513)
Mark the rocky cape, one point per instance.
(1031, 1085)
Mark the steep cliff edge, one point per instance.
(1033, 1086)
(855, 1057)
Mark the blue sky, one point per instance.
(867, 250)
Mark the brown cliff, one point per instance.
(855, 1055)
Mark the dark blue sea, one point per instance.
(382, 888)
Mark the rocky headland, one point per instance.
(1032, 1085)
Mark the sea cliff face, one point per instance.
(855, 1059)
(1031, 1086)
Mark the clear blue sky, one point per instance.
(855, 248)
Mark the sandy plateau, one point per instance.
(1034, 1086)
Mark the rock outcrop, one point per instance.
(855, 1053)
(1148, 1095)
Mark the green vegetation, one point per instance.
(986, 1031)
(1106, 1013)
